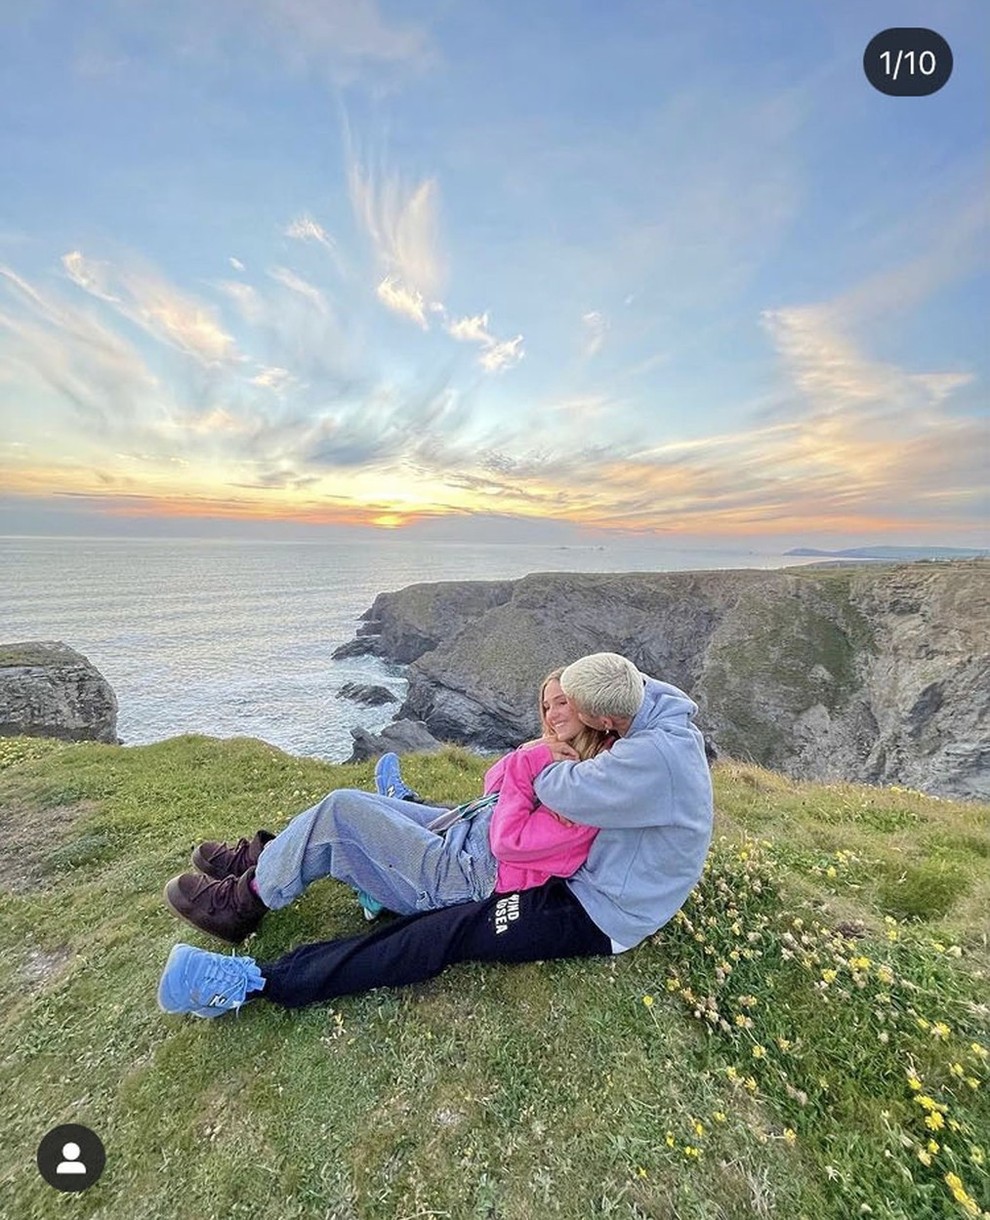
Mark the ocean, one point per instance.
(234, 639)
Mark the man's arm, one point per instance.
(627, 786)
(523, 832)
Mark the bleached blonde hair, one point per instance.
(604, 684)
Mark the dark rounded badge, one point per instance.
(71, 1157)
(907, 62)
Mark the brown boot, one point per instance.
(229, 908)
(219, 860)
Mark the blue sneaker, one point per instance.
(206, 984)
(388, 779)
(371, 908)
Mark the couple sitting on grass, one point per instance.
(592, 838)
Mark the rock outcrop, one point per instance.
(400, 737)
(877, 673)
(50, 690)
(372, 696)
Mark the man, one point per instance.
(650, 795)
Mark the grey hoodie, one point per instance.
(651, 794)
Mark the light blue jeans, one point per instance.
(381, 846)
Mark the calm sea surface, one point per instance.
(234, 639)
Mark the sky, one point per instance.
(488, 271)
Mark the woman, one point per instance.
(528, 842)
(389, 849)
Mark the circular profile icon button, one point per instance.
(71, 1157)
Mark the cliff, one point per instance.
(50, 690)
(877, 674)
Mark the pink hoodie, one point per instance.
(530, 842)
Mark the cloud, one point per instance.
(495, 355)
(295, 283)
(305, 228)
(73, 359)
(403, 301)
(503, 355)
(147, 300)
(342, 35)
(470, 330)
(236, 264)
(273, 378)
(595, 329)
(402, 224)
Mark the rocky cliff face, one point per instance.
(878, 674)
(50, 690)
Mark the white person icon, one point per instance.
(71, 1157)
(72, 1163)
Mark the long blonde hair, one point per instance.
(588, 742)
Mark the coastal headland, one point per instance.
(877, 674)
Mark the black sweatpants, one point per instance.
(533, 925)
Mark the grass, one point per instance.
(808, 1039)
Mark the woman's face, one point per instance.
(559, 716)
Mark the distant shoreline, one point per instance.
(892, 553)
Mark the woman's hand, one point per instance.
(562, 751)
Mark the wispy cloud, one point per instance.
(295, 283)
(305, 228)
(402, 223)
(401, 300)
(146, 299)
(496, 354)
(502, 355)
(596, 327)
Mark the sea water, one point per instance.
(234, 639)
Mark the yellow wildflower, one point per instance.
(940, 1030)
(972, 1082)
(935, 1121)
(732, 1073)
(691, 1152)
(648, 1000)
(956, 1069)
(830, 871)
(968, 1204)
(699, 1127)
(924, 1157)
(977, 1049)
(719, 1117)
(860, 963)
(750, 1083)
(670, 1141)
(759, 1052)
(914, 1082)
(933, 1147)
(790, 1135)
(785, 1044)
(829, 976)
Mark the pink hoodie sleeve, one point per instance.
(522, 831)
(493, 776)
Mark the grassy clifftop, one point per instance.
(810, 1038)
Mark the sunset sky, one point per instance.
(481, 270)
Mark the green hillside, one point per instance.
(811, 1038)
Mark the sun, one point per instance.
(388, 521)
